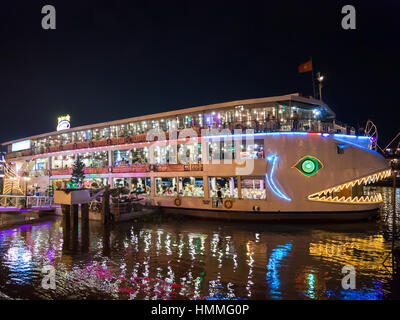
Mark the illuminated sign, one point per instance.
(21, 145)
(64, 122)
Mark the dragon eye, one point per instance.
(308, 165)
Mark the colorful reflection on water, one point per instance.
(195, 259)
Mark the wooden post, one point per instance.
(66, 236)
(105, 209)
(106, 241)
(74, 225)
(85, 227)
(65, 209)
(85, 213)
(74, 215)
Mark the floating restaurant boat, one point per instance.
(258, 159)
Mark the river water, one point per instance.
(183, 258)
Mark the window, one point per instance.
(121, 182)
(166, 187)
(100, 159)
(140, 156)
(226, 149)
(68, 161)
(220, 149)
(191, 186)
(121, 158)
(41, 164)
(62, 162)
(56, 162)
(161, 154)
(95, 183)
(253, 151)
(189, 152)
(224, 187)
(95, 159)
(253, 187)
(141, 185)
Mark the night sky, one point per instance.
(109, 60)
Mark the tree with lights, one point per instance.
(78, 173)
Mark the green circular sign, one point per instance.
(308, 166)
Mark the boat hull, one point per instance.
(274, 216)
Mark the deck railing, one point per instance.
(14, 201)
(134, 168)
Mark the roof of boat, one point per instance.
(297, 97)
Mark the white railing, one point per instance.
(8, 201)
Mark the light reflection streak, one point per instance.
(250, 262)
(147, 241)
(180, 246)
(159, 241)
(362, 253)
(168, 244)
(278, 255)
(311, 285)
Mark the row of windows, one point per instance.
(251, 116)
(190, 153)
(219, 187)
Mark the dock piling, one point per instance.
(74, 214)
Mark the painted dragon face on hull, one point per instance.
(351, 192)
(324, 172)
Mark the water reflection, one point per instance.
(275, 262)
(180, 259)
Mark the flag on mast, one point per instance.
(305, 67)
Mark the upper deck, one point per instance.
(291, 112)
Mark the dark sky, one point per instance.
(109, 60)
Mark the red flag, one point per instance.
(305, 67)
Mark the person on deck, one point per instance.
(295, 121)
(219, 197)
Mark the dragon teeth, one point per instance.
(327, 194)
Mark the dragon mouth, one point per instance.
(352, 192)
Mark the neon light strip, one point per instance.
(350, 136)
(270, 179)
(260, 134)
(8, 208)
(17, 209)
(263, 134)
(357, 146)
